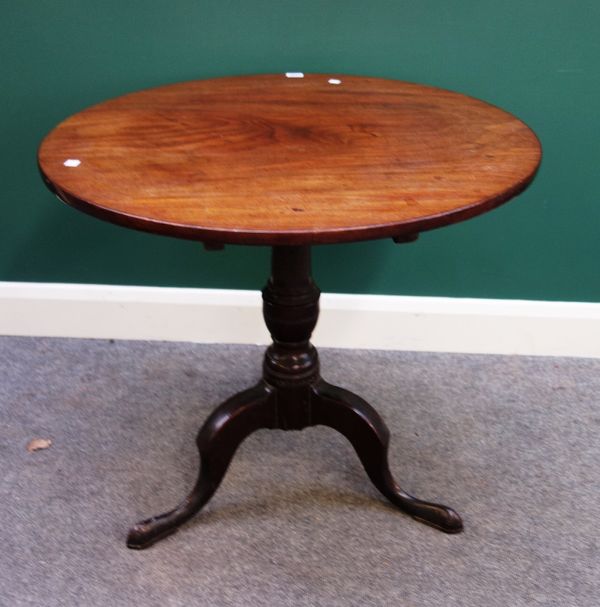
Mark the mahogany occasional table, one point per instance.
(289, 161)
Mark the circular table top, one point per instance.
(289, 159)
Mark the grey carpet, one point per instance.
(511, 442)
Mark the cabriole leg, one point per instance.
(353, 417)
(217, 442)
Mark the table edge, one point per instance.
(292, 237)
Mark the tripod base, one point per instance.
(291, 396)
(263, 407)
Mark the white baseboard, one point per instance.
(434, 324)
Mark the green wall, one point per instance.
(537, 59)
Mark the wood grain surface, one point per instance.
(274, 160)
